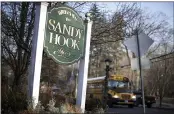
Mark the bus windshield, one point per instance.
(117, 84)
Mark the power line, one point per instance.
(162, 56)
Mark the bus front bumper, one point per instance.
(121, 101)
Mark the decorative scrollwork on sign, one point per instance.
(63, 53)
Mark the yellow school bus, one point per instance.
(119, 90)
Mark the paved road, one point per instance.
(139, 110)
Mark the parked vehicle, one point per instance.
(149, 100)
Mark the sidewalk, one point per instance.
(164, 106)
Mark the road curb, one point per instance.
(164, 108)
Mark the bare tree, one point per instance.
(17, 30)
(160, 75)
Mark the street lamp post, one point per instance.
(107, 62)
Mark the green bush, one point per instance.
(62, 108)
(16, 102)
(51, 106)
(13, 101)
(98, 111)
(92, 103)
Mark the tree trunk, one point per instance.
(16, 81)
(160, 100)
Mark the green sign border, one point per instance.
(84, 42)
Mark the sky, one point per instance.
(165, 7)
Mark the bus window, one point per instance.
(123, 84)
(117, 84)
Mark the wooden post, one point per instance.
(83, 69)
(36, 53)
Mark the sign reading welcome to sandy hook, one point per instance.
(64, 35)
